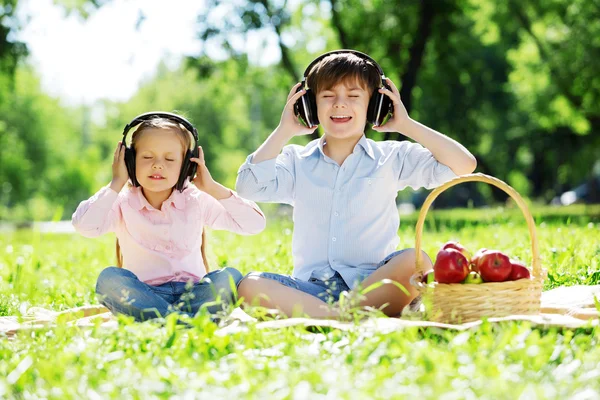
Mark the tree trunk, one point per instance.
(417, 51)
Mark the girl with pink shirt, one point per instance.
(159, 219)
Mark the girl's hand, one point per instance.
(119, 170)
(399, 117)
(289, 125)
(205, 182)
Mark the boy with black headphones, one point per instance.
(343, 188)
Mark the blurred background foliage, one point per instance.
(518, 83)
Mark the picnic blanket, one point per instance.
(566, 307)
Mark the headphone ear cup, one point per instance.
(193, 166)
(305, 108)
(130, 164)
(373, 106)
(188, 169)
(311, 99)
(380, 106)
(387, 106)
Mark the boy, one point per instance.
(343, 189)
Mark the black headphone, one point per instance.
(188, 168)
(380, 105)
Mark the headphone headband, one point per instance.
(161, 114)
(343, 51)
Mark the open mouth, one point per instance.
(340, 119)
(156, 177)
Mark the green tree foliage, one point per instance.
(516, 82)
(41, 171)
(83, 8)
(232, 109)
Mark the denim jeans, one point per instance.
(122, 292)
(329, 290)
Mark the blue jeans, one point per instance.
(329, 290)
(122, 292)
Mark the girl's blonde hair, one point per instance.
(186, 141)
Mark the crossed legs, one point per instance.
(388, 296)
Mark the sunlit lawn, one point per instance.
(147, 360)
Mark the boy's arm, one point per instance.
(445, 150)
(268, 174)
(288, 128)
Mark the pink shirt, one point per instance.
(164, 245)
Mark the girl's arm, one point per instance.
(222, 208)
(97, 215)
(233, 214)
(100, 213)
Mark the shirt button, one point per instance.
(334, 239)
(369, 181)
(336, 214)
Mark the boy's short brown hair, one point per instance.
(342, 67)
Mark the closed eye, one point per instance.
(168, 159)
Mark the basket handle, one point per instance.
(537, 270)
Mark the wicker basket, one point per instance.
(459, 303)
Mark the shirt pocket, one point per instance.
(367, 195)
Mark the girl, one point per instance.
(158, 220)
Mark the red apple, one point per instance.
(459, 247)
(518, 271)
(451, 266)
(475, 259)
(494, 266)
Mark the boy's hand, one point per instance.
(119, 170)
(289, 125)
(399, 117)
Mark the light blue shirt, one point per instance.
(345, 217)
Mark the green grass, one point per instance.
(145, 360)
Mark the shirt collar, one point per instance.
(318, 145)
(138, 201)
(366, 145)
(313, 146)
(177, 198)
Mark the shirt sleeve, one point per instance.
(417, 167)
(233, 214)
(97, 215)
(271, 181)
